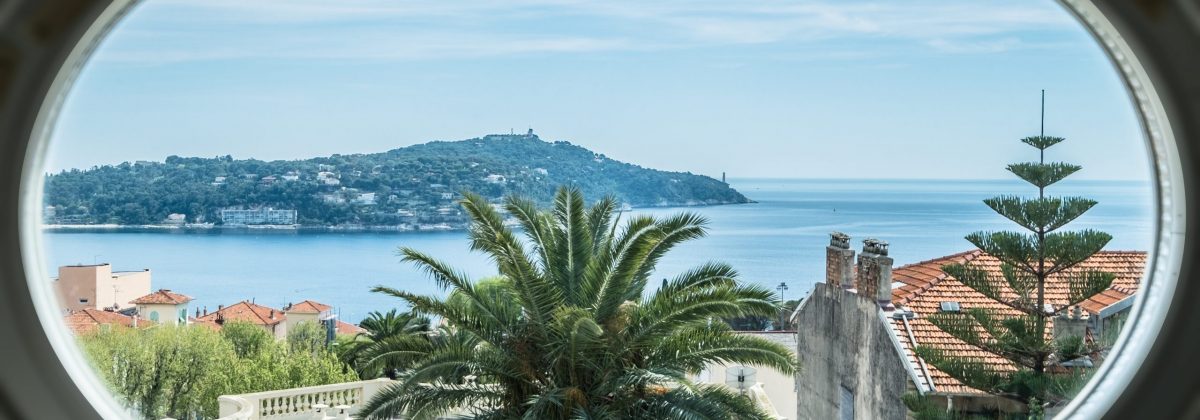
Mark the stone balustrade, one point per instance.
(335, 401)
(341, 401)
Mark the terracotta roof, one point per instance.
(207, 323)
(308, 307)
(162, 296)
(925, 286)
(346, 328)
(88, 320)
(246, 312)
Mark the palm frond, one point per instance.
(702, 344)
(573, 237)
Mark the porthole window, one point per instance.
(978, 212)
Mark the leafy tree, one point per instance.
(162, 371)
(1029, 260)
(306, 337)
(569, 330)
(180, 371)
(247, 339)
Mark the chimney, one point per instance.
(839, 261)
(875, 272)
(1070, 323)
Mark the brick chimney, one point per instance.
(839, 261)
(875, 272)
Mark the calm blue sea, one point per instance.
(781, 238)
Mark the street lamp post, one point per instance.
(782, 287)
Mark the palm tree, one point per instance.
(392, 341)
(569, 330)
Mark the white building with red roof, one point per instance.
(163, 306)
(278, 322)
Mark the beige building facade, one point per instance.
(164, 307)
(96, 286)
(306, 311)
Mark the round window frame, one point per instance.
(44, 45)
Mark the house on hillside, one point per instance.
(258, 216)
(858, 329)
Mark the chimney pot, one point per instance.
(875, 272)
(839, 240)
(839, 260)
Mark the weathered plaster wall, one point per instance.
(843, 343)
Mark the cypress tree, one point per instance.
(1028, 260)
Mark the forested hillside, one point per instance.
(412, 185)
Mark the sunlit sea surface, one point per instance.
(781, 238)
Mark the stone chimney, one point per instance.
(839, 261)
(1070, 323)
(875, 272)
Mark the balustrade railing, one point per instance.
(300, 403)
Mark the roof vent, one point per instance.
(951, 306)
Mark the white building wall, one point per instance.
(780, 387)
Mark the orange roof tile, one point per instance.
(88, 320)
(924, 286)
(308, 307)
(162, 296)
(210, 324)
(245, 312)
(346, 328)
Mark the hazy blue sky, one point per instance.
(927, 89)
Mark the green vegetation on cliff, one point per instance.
(413, 185)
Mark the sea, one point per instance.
(779, 239)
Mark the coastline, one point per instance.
(349, 228)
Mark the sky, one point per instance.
(787, 89)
